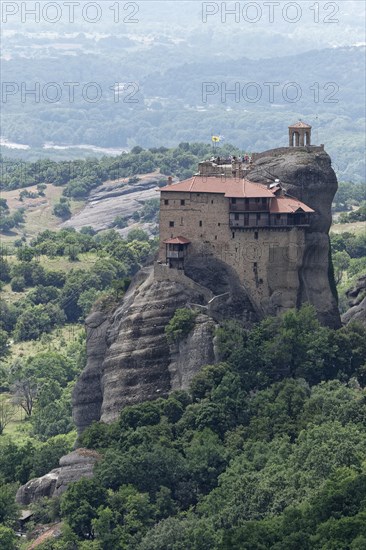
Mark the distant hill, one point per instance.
(163, 108)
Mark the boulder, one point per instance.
(74, 466)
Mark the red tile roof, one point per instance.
(300, 124)
(230, 187)
(238, 188)
(290, 205)
(177, 240)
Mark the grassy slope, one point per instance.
(356, 227)
(18, 428)
(59, 263)
(38, 216)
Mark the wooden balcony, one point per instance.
(258, 207)
(175, 254)
(269, 222)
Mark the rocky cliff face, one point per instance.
(309, 176)
(357, 303)
(129, 357)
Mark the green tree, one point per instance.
(43, 294)
(137, 235)
(25, 254)
(4, 344)
(52, 418)
(341, 262)
(8, 315)
(126, 518)
(8, 539)
(4, 270)
(17, 284)
(87, 300)
(180, 324)
(36, 320)
(120, 221)
(79, 506)
(8, 508)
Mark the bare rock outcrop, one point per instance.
(74, 466)
(309, 176)
(129, 357)
(116, 198)
(136, 365)
(187, 356)
(88, 396)
(357, 302)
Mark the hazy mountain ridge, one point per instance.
(331, 100)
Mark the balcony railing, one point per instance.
(249, 207)
(241, 224)
(172, 254)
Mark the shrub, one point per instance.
(180, 325)
(17, 284)
(62, 210)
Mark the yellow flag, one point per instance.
(215, 139)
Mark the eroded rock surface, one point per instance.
(116, 198)
(135, 362)
(357, 302)
(187, 356)
(136, 365)
(88, 396)
(74, 466)
(309, 176)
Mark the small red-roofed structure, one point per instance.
(299, 134)
(176, 251)
(177, 240)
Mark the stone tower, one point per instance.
(299, 134)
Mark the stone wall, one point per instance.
(267, 261)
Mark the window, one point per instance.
(166, 201)
(236, 216)
(215, 237)
(233, 201)
(182, 202)
(256, 235)
(171, 224)
(219, 224)
(255, 265)
(200, 223)
(211, 202)
(257, 200)
(264, 202)
(233, 235)
(181, 221)
(258, 216)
